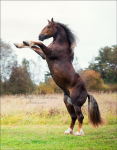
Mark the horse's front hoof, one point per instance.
(81, 133)
(26, 43)
(16, 45)
(69, 131)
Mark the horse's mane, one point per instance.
(71, 38)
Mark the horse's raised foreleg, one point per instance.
(35, 48)
(72, 113)
(46, 50)
(21, 45)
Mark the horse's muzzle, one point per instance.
(42, 37)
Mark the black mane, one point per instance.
(71, 38)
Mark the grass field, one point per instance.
(51, 138)
(38, 122)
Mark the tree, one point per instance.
(47, 75)
(32, 68)
(36, 69)
(20, 81)
(7, 58)
(25, 64)
(106, 63)
(40, 69)
(14, 78)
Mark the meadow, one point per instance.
(32, 122)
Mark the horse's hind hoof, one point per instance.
(81, 133)
(26, 43)
(69, 131)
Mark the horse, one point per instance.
(59, 56)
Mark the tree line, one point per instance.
(106, 64)
(15, 78)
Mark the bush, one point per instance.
(113, 87)
(48, 87)
(43, 88)
(93, 81)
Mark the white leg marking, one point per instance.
(69, 100)
(79, 133)
(69, 131)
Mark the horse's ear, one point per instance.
(52, 20)
(48, 21)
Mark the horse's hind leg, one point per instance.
(72, 113)
(80, 120)
(78, 100)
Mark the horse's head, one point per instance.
(49, 31)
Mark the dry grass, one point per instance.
(22, 106)
(107, 102)
(30, 103)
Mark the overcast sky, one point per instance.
(94, 22)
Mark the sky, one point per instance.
(94, 23)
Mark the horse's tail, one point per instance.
(93, 112)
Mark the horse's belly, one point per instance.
(62, 73)
(61, 80)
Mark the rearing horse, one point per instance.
(59, 56)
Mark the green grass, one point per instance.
(51, 137)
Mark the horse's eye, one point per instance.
(48, 27)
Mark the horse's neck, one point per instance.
(61, 36)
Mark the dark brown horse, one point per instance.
(59, 56)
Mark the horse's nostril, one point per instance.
(41, 37)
